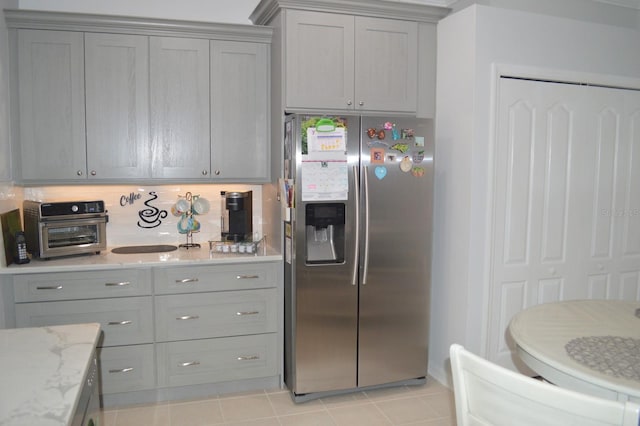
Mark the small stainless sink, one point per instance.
(154, 248)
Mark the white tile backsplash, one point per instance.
(124, 210)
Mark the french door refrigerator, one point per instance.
(357, 252)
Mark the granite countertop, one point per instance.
(107, 259)
(42, 370)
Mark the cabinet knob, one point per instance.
(217, 172)
(204, 173)
(93, 172)
(361, 103)
(349, 102)
(79, 172)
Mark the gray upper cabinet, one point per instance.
(386, 58)
(319, 60)
(51, 105)
(239, 106)
(359, 56)
(117, 91)
(164, 101)
(179, 102)
(350, 62)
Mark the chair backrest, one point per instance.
(487, 394)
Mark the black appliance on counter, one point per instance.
(65, 228)
(240, 216)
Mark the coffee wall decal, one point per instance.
(152, 216)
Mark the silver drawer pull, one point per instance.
(248, 358)
(187, 317)
(247, 277)
(122, 370)
(49, 287)
(187, 280)
(247, 313)
(125, 322)
(120, 284)
(189, 364)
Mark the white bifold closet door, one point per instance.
(566, 200)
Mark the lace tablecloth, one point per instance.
(612, 355)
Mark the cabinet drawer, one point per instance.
(124, 321)
(81, 285)
(216, 360)
(127, 368)
(215, 278)
(218, 314)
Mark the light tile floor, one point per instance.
(427, 405)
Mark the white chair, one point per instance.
(487, 394)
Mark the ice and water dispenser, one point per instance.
(325, 227)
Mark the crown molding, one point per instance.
(45, 20)
(267, 9)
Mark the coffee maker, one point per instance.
(239, 225)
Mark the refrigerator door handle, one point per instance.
(366, 225)
(356, 252)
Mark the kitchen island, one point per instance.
(43, 370)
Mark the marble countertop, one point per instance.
(107, 259)
(42, 370)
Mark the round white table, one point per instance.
(591, 346)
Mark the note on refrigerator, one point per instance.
(331, 141)
(325, 176)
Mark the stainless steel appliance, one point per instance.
(88, 412)
(357, 270)
(239, 215)
(65, 228)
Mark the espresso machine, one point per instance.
(238, 225)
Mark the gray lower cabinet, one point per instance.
(164, 327)
(127, 368)
(217, 360)
(120, 300)
(123, 321)
(217, 323)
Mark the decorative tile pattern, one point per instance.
(612, 355)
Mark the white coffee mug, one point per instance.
(201, 205)
(182, 205)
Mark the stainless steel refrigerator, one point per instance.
(357, 251)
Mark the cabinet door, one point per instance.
(239, 111)
(386, 65)
(117, 90)
(217, 360)
(319, 62)
(127, 368)
(52, 114)
(123, 320)
(179, 70)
